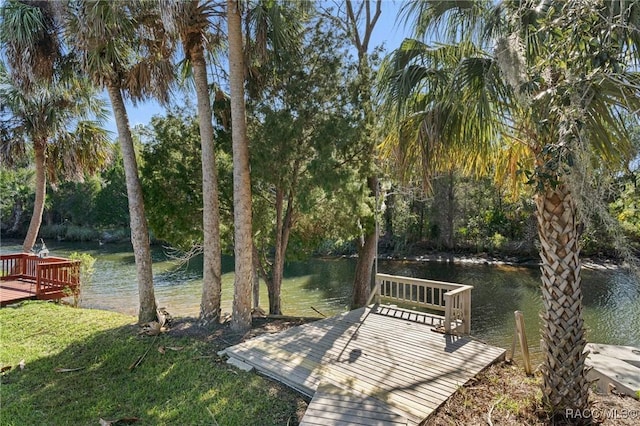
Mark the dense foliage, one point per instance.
(304, 136)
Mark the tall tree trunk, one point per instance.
(366, 258)
(368, 17)
(138, 220)
(211, 274)
(40, 148)
(243, 233)
(256, 278)
(451, 210)
(389, 211)
(16, 215)
(564, 381)
(284, 223)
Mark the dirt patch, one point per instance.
(221, 334)
(504, 395)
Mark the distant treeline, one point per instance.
(458, 215)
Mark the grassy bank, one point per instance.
(77, 370)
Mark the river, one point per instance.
(611, 296)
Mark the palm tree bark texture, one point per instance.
(40, 150)
(243, 232)
(138, 221)
(564, 383)
(211, 285)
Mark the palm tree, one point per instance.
(190, 21)
(56, 122)
(124, 51)
(545, 87)
(46, 108)
(243, 232)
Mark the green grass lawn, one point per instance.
(186, 385)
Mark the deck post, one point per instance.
(375, 292)
(38, 279)
(466, 310)
(448, 309)
(522, 339)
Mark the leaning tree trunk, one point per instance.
(366, 258)
(41, 192)
(243, 236)
(211, 274)
(138, 220)
(564, 382)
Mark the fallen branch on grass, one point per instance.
(141, 357)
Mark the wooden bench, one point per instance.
(452, 300)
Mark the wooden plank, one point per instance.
(615, 365)
(332, 405)
(413, 407)
(294, 368)
(375, 356)
(417, 402)
(419, 355)
(12, 291)
(302, 382)
(276, 360)
(375, 350)
(416, 338)
(462, 348)
(412, 335)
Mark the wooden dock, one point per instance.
(377, 365)
(26, 276)
(614, 367)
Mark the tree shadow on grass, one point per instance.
(179, 381)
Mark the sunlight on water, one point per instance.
(611, 297)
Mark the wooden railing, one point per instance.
(53, 277)
(453, 300)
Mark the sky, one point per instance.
(386, 32)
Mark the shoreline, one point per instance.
(496, 260)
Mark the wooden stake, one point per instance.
(522, 338)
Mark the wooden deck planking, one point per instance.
(378, 338)
(396, 360)
(375, 357)
(413, 334)
(12, 291)
(333, 405)
(369, 374)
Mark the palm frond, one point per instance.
(29, 35)
(451, 20)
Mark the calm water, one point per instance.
(611, 297)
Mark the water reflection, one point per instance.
(611, 297)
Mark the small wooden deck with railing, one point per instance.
(379, 365)
(26, 276)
